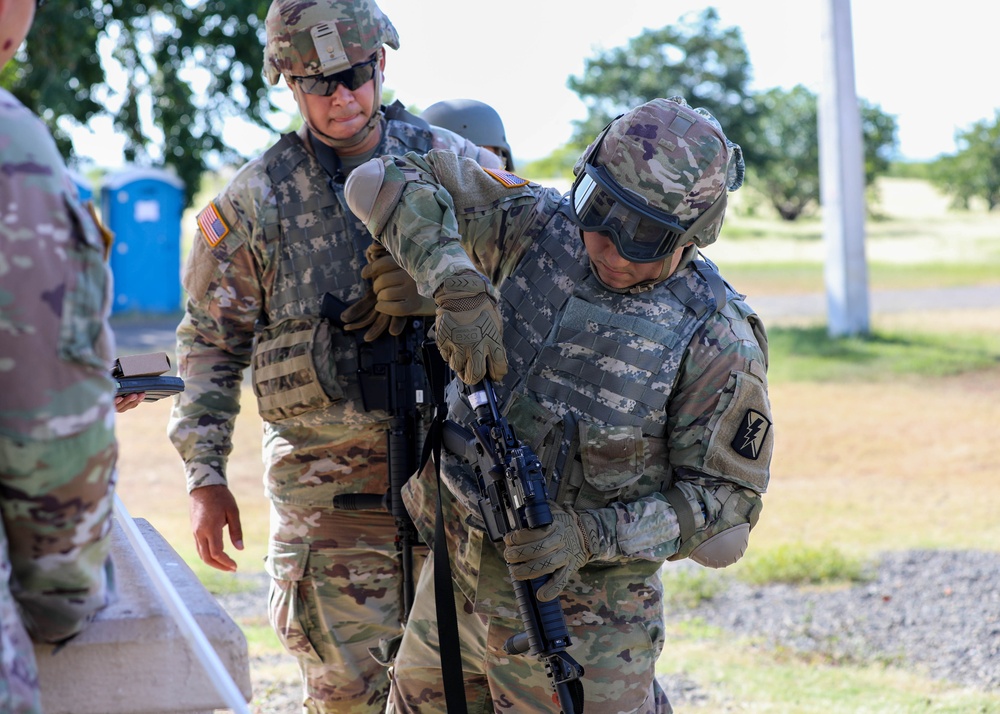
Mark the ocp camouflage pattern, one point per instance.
(241, 289)
(675, 163)
(292, 49)
(452, 217)
(230, 288)
(57, 446)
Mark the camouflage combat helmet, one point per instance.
(476, 121)
(656, 179)
(307, 38)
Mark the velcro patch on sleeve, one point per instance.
(750, 435)
(742, 440)
(506, 178)
(213, 226)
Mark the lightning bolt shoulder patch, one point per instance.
(751, 434)
(740, 435)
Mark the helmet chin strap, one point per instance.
(373, 119)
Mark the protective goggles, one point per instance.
(641, 233)
(326, 85)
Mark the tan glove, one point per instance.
(393, 297)
(560, 548)
(469, 329)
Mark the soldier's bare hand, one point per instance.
(214, 508)
(128, 401)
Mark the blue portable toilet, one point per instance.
(143, 208)
(83, 186)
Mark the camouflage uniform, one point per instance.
(647, 409)
(267, 250)
(57, 445)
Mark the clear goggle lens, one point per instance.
(641, 234)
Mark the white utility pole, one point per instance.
(842, 177)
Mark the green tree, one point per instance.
(785, 136)
(973, 172)
(168, 73)
(694, 58)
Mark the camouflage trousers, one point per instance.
(55, 573)
(18, 672)
(335, 602)
(617, 638)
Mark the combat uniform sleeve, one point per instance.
(720, 443)
(441, 214)
(222, 278)
(57, 444)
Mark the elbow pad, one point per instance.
(372, 192)
(723, 549)
(719, 542)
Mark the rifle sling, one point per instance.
(444, 599)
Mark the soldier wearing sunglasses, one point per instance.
(633, 370)
(274, 246)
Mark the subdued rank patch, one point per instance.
(508, 179)
(750, 436)
(213, 225)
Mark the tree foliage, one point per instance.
(173, 72)
(786, 135)
(709, 66)
(974, 171)
(695, 58)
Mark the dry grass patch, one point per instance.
(151, 479)
(869, 467)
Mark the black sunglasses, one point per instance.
(326, 85)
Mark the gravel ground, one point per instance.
(933, 611)
(936, 612)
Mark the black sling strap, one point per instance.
(450, 649)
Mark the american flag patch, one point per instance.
(213, 225)
(507, 178)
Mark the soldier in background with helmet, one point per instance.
(267, 251)
(57, 413)
(636, 373)
(476, 121)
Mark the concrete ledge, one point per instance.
(133, 658)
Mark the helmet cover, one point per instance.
(306, 38)
(670, 159)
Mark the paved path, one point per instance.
(881, 301)
(152, 333)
